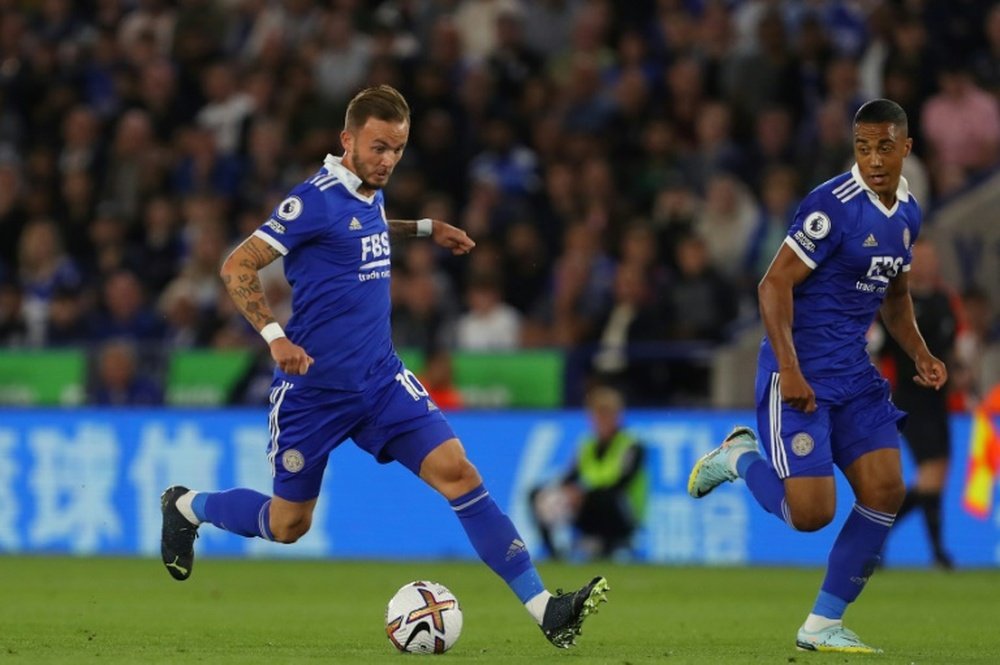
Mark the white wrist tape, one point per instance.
(271, 332)
(424, 227)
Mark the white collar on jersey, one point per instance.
(902, 192)
(350, 179)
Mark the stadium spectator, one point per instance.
(43, 267)
(119, 381)
(149, 101)
(342, 60)
(715, 149)
(962, 125)
(726, 223)
(123, 311)
(602, 495)
(977, 348)
(756, 77)
(700, 306)
(135, 165)
(622, 356)
(525, 257)
(489, 324)
(421, 319)
(160, 249)
(778, 201)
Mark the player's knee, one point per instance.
(463, 475)
(456, 478)
(812, 518)
(291, 529)
(886, 495)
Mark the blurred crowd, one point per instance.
(627, 168)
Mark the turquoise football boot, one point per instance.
(833, 638)
(715, 468)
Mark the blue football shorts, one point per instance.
(854, 415)
(392, 419)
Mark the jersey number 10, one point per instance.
(409, 381)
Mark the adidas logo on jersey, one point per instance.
(355, 225)
(870, 241)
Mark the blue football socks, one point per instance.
(240, 511)
(763, 483)
(497, 542)
(853, 559)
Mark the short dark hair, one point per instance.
(880, 111)
(381, 101)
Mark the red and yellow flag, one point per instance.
(984, 464)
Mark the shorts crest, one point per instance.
(292, 460)
(802, 444)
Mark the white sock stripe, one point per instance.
(468, 503)
(260, 520)
(786, 513)
(885, 519)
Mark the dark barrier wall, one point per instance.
(88, 481)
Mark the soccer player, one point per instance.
(820, 401)
(338, 375)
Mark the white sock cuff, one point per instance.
(184, 506)
(815, 623)
(536, 606)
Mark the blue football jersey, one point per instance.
(854, 245)
(335, 244)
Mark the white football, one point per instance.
(423, 617)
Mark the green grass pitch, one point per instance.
(78, 610)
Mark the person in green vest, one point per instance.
(603, 493)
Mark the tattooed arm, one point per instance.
(240, 275)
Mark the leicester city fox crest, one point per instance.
(802, 444)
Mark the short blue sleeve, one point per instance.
(299, 218)
(816, 231)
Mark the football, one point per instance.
(423, 617)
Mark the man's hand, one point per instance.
(796, 391)
(931, 372)
(451, 237)
(290, 357)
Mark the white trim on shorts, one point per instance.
(779, 456)
(277, 397)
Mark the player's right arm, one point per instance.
(776, 309)
(240, 274)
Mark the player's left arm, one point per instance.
(444, 234)
(901, 322)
